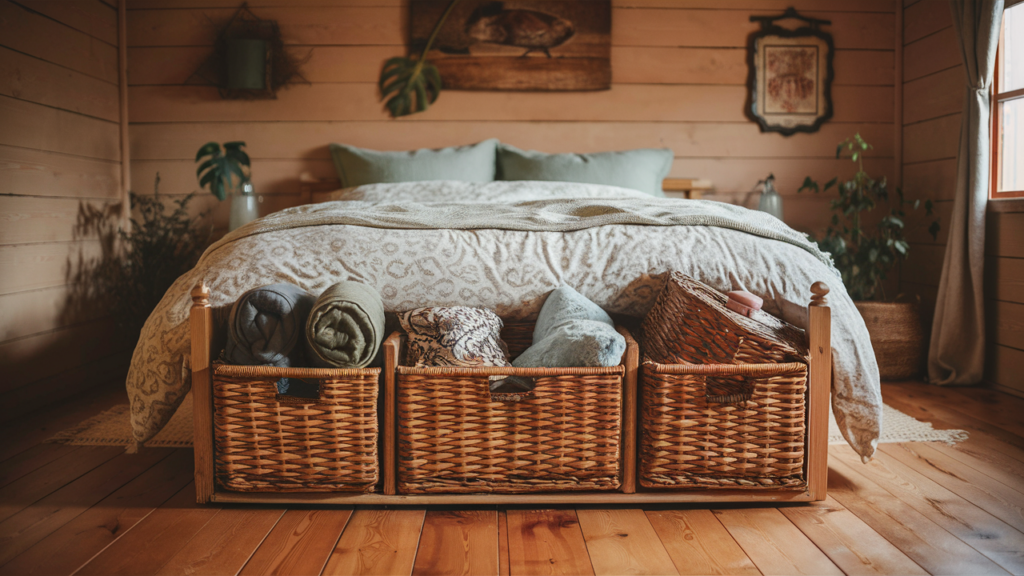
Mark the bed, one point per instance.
(504, 246)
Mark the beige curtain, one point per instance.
(957, 351)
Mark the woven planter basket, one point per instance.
(266, 442)
(896, 336)
(723, 396)
(454, 436)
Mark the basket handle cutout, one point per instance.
(300, 390)
(511, 388)
(728, 398)
(738, 395)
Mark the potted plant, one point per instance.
(227, 171)
(866, 237)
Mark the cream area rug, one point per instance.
(111, 428)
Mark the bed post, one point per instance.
(392, 348)
(820, 337)
(631, 359)
(201, 320)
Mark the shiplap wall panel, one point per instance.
(723, 28)
(306, 25)
(935, 95)
(30, 33)
(1006, 323)
(33, 266)
(679, 76)
(1005, 365)
(60, 155)
(30, 219)
(925, 18)
(93, 18)
(933, 91)
(931, 180)
(279, 140)
(934, 87)
(26, 360)
(359, 102)
(27, 78)
(170, 65)
(30, 125)
(933, 53)
(41, 173)
(1004, 279)
(31, 312)
(933, 139)
(1005, 235)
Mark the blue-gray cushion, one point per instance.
(642, 169)
(572, 331)
(358, 166)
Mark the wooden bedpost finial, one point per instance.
(819, 290)
(201, 294)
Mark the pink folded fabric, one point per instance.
(743, 302)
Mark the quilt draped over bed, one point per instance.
(505, 246)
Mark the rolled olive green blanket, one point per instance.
(346, 326)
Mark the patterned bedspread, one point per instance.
(505, 246)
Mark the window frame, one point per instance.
(997, 98)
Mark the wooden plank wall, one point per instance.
(59, 153)
(933, 91)
(1004, 301)
(679, 74)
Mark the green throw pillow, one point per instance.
(358, 166)
(642, 169)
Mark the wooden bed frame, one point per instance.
(205, 345)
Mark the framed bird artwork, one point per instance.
(517, 44)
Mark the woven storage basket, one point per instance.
(267, 442)
(723, 397)
(454, 436)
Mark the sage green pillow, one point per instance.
(358, 166)
(642, 169)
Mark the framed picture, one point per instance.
(790, 78)
(517, 44)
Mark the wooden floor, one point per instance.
(916, 509)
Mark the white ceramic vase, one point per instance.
(244, 208)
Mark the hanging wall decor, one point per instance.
(249, 60)
(517, 44)
(790, 78)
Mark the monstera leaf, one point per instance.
(219, 167)
(411, 85)
(414, 83)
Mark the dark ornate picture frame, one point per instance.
(790, 74)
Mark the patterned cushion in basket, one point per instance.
(690, 324)
(454, 336)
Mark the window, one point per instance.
(1008, 106)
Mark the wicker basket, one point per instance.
(454, 436)
(723, 397)
(896, 336)
(267, 442)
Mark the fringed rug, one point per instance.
(112, 428)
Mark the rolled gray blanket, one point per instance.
(265, 326)
(346, 327)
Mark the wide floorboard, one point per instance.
(917, 508)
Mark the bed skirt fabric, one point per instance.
(616, 253)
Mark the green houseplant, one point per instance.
(226, 171)
(866, 237)
(409, 84)
(137, 262)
